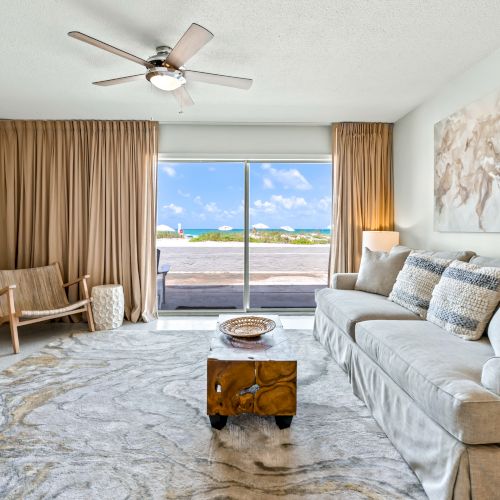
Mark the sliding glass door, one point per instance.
(290, 211)
(200, 235)
(242, 235)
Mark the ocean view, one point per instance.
(285, 198)
(198, 232)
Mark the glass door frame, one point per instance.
(246, 239)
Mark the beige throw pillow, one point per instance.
(378, 270)
(465, 299)
(416, 281)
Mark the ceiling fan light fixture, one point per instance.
(165, 79)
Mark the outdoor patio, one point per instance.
(210, 276)
(180, 297)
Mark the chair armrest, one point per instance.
(165, 268)
(6, 289)
(9, 290)
(77, 280)
(344, 281)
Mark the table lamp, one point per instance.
(380, 241)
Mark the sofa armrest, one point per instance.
(344, 281)
(490, 378)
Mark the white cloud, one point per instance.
(174, 208)
(268, 183)
(197, 200)
(324, 203)
(169, 170)
(180, 192)
(288, 178)
(265, 206)
(234, 212)
(212, 208)
(289, 203)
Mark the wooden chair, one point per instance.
(34, 295)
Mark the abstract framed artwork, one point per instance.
(467, 168)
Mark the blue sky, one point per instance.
(210, 194)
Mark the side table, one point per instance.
(107, 306)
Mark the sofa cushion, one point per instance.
(416, 281)
(378, 270)
(441, 372)
(347, 307)
(465, 299)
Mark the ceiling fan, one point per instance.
(165, 69)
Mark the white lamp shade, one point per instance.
(380, 241)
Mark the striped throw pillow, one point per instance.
(416, 281)
(465, 299)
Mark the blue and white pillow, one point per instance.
(465, 299)
(416, 281)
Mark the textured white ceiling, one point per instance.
(313, 61)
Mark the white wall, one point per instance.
(247, 142)
(414, 162)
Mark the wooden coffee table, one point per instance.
(251, 376)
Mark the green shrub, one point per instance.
(167, 234)
(264, 237)
(218, 236)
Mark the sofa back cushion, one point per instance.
(378, 270)
(465, 299)
(494, 326)
(416, 281)
(463, 255)
(494, 332)
(485, 261)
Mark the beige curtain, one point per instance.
(82, 193)
(362, 189)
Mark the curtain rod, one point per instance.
(251, 124)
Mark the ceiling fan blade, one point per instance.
(228, 81)
(183, 98)
(117, 81)
(190, 43)
(109, 48)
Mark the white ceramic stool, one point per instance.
(108, 306)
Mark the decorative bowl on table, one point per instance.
(247, 327)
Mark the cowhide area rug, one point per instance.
(121, 414)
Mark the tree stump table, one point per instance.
(251, 376)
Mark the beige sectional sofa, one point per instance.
(422, 385)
